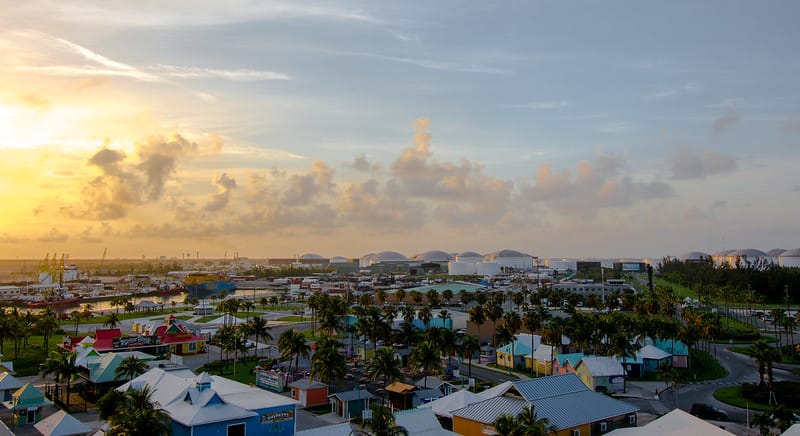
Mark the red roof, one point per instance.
(104, 339)
(172, 338)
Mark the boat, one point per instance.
(56, 298)
(202, 284)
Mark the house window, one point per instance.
(603, 427)
(192, 347)
(632, 419)
(31, 416)
(576, 432)
(236, 430)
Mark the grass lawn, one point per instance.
(291, 318)
(796, 371)
(680, 290)
(98, 319)
(746, 351)
(705, 367)
(244, 370)
(281, 307)
(207, 318)
(27, 363)
(733, 395)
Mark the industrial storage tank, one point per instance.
(339, 259)
(790, 258)
(366, 260)
(694, 256)
(721, 257)
(389, 256)
(461, 268)
(469, 257)
(511, 259)
(747, 256)
(433, 256)
(487, 268)
(562, 265)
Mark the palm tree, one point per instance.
(138, 414)
(502, 336)
(425, 358)
(46, 325)
(77, 317)
(469, 345)
(130, 368)
(384, 364)
(382, 423)
(111, 321)
(506, 425)
(425, 315)
(512, 323)
(532, 425)
(493, 312)
(257, 326)
(400, 295)
(63, 368)
(327, 363)
(621, 345)
(292, 343)
(478, 317)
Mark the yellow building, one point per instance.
(563, 399)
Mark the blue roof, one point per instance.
(348, 396)
(519, 349)
(573, 358)
(666, 344)
(578, 408)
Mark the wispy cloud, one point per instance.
(196, 12)
(675, 91)
(431, 63)
(723, 123)
(543, 105)
(154, 73)
(238, 75)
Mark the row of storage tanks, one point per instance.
(778, 256)
(466, 263)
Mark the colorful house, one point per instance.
(26, 405)
(100, 372)
(678, 350)
(540, 360)
(400, 395)
(565, 363)
(506, 359)
(309, 393)
(648, 359)
(8, 385)
(601, 373)
(213, 405)
(350, 404)
(564, 400)
(179, 339)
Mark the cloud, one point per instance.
(723, 123)
(543, 105)
(198, 13)
(242, 75)
(360, 163)
(431, 64)
(365, 204)
(53, 235)
(687, 165)
(463, 185)
(128, 181)
(225, 184)
(596, 184)
(675, 91)
(303, 188)
(92, 82)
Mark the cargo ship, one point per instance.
(203, 284)
(54, 299)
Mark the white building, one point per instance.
(790, 258)
(510, 260)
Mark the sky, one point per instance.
(270, 128)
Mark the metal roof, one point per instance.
(563, 410)
(489, 410)
(421, 422)
(652, 352)
(352, 395)
(545, 387)
(602, 366)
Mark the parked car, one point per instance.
(707, 411)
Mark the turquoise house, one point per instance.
(26, 405)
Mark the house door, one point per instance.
(31, 416)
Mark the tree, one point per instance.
(62, 367)
(469, 345)
(382, 423)
(327, 363)
(425, 359)
(526, 423)
(425, 315)
(130, 368)
(400, 295)
(447, 294)
(512, 323)
(292, 343)
(258, 327)
(385, 365)
(77, 317)
(477, 317)
(111, 321)
(47, 323)
(138, 414)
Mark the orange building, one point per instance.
(309, 392)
